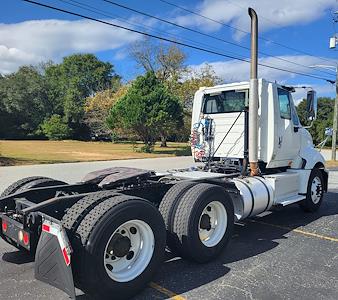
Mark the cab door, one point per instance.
(287, 129)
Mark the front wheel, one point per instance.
(315, 192)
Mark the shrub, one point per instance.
(55, 128)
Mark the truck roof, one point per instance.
(228, 86)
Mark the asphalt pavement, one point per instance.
(285, 254)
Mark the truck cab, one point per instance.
(218, 126)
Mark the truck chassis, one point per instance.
(108, 233)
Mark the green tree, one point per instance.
(168, 62)
(147, 109)
(56, 128)
(324, 118)
(71, 82)
(24, 102)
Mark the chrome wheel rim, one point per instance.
(212, 224)
(316, 190)
(129, 250)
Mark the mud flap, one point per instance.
(51, 264)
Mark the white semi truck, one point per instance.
(107, 234)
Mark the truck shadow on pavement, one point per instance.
(251, 238)
(18, 257)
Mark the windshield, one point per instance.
(225, 102)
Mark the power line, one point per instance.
(169, 40)
(207, 35)
(241, 30)
(103, 13)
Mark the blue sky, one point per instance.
(29, 34)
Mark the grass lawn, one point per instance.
(331, 164)
(43, 152)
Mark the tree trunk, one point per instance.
(163, 141)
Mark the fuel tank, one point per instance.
(255, 196)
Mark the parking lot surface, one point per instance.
(285, 254)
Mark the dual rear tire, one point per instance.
(29, 183)
(119, 244)
(199, 220)
(119, 240)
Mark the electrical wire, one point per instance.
(105, 14)
(241, 30)
(170, 40)
(208, 35)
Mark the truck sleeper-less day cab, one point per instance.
(107, 234)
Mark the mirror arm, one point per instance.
(307, 127)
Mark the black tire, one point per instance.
(76, 213)
(14, 187)
(168, 207)
(187, 222)
(308, 205)
(93, 234)
(171, 199)
(42, 182)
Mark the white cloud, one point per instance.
(31, 42)
(11, 58)
(272, 14)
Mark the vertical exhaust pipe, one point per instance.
(253, 97)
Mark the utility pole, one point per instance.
(335, 121)
(333, 43)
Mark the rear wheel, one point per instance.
(315, 192)
(168, 207)
(41, 182)
(203, 222)
(14, 187)
(120, 245)
(171, 199)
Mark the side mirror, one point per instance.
(328, 131)
(311, 105)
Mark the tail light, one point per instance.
(23, 237)
(4, 226)
(26, 238)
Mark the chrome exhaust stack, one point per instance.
(253, 97)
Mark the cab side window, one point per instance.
(284, 104)
(294, 116)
